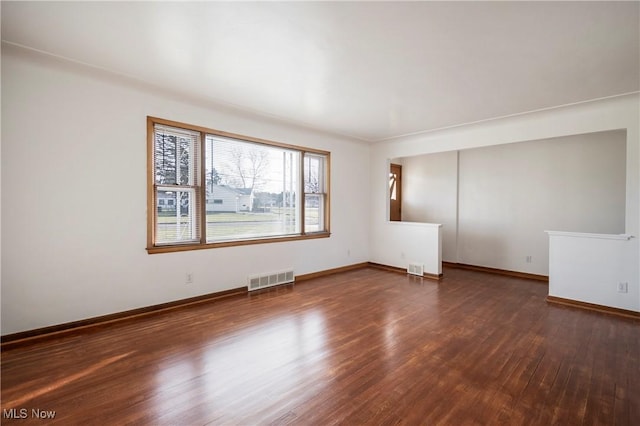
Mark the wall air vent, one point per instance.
(256, 282)
(416, 269)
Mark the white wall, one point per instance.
(510, 194)
(603, 115)
(79, 135)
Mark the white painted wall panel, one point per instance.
(589, 267)
(410, 242)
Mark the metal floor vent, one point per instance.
(256, 282)
(416, 269)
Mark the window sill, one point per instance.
(189, 247)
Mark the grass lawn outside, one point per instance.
(225, 226)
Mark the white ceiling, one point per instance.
(368, 70)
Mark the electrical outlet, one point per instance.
(623, 287)
(528, 259)
(348, 252)
(189, 278)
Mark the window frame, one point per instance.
(322, 188)
(152, 211)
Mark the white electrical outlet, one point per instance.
(189, 278)
(528, 258)
(623, 287)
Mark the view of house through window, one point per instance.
(211, 188)
(256, 186)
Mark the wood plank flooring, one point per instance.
(361, 347)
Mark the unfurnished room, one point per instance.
(319, 213)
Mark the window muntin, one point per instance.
(212, 188)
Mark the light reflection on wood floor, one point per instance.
(361, 347)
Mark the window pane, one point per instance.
(176, 216)
(175, 153)
(314, 212)
(313, 173)
(251, 190)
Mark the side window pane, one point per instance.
(176, 219)
(175, 171)
(175, 155)
(313, 176)
(314, 188)
(314, 213)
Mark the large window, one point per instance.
(209, 188)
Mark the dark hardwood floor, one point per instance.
(360, 347)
